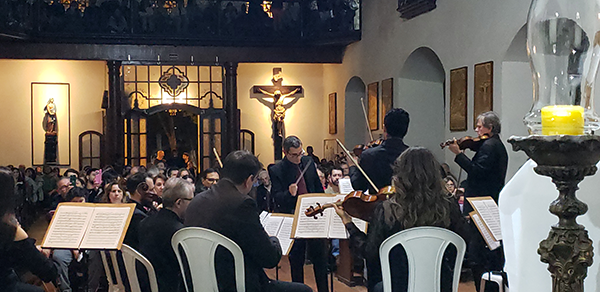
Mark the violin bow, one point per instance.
(302, 173)
(217, 156)
(356, 163)
(362, 103)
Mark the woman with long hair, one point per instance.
(17, 250)
(420, 200)
(113, 193)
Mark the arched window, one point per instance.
(247, 140)
(90, 148)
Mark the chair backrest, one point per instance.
(425, 247)
(114, 284)
(130, 258)
(199, 246)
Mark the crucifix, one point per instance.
(279, 98)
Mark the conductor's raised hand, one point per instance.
(293, 188)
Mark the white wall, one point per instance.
(461, 33)
(424, 102)
(87, 81)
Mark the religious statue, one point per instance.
(50, 125)
(278, 106)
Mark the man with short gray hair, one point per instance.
(155, 234)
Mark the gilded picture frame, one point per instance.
(483, 92)
(333, 113)
(387, 97)
(373, 105)
(458, 99)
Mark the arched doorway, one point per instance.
(517, 95)
(355, 127)
(421, 92)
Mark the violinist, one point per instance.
(295, 175)
(420, 199)
(486, 173)
(377, 161)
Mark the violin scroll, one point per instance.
(467, 142)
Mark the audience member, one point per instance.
(159, 184)
(334, 180)
(264, 199)
(113, 193)
(310, 152)
(208, 178)
(138, 186)
(156, 232)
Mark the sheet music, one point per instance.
(345, 186)
(272, 225)
(285, 234)
(491, 216)
(487, 236)
(360, 224)
(68, 227)
(106, 228)
(309, 227)
(263, 216)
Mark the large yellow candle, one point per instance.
(562, 120)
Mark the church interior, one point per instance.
(127, 79)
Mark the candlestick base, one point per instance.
(568, 250)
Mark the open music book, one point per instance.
(280, 226)
(487, 219)
(327, 225)
(88, 226)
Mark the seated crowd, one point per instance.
(168, 199)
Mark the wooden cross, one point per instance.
(274, 96)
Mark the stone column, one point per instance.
(232, 114)
(113, 135)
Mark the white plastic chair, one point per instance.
(130, 257)
(493, 277)
(425, 247)
(199, 246)
(114, 285)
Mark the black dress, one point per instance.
(367, 245)
(23, 256)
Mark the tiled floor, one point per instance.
(38, 230)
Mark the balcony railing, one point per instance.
(199, 22)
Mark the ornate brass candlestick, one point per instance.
(567, 160)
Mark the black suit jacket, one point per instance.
(285, 173)
(155, 233)
(486, 171)
(377, 163)
(131, 237)
(225, 210)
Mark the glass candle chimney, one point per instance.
(563, 44)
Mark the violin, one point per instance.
(467, 142)
(374, 143)
(356, 204)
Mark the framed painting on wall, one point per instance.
(333, 113)
(387, 97)
(373, 103)
(50, 124)
(330, 149)
(458, 99)
(484, 89)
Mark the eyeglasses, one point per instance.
(294, 155)
(212, 179)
